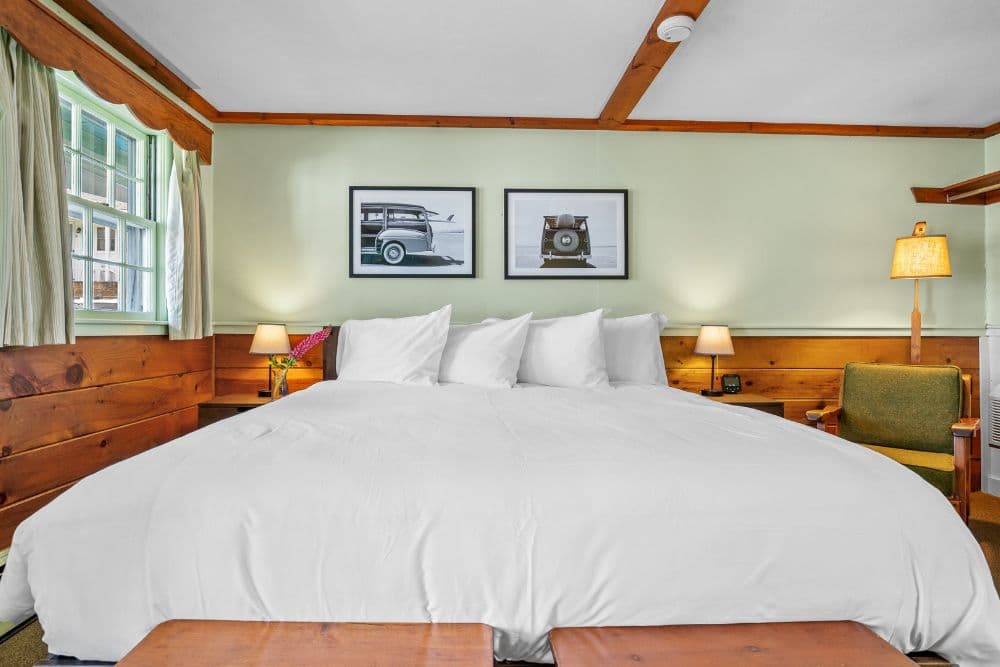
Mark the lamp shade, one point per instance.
(714, 339)
(921, 256)
(270, 339)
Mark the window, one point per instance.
(109, 169)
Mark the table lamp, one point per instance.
(270, 339)
(919, 256)
(713, 340)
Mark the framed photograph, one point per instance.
(565, 233)
(408, 232)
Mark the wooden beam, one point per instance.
(991, 130)
(121, 41)
(58, 45)
(647, 62)
(827, 129)
(979, 191)
(392, 120)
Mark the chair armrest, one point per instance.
(966, 427)
(821, 414)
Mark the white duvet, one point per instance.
(523, 508)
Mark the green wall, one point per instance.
(767, 233)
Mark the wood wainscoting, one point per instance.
(67, 411)
(239, 372)
(803, 371)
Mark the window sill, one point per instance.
(94, 327)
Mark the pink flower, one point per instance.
(310, 342)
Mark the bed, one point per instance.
(524, 508)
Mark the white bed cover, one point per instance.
(525, 508)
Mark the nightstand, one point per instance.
(227, 405)
(774, 406)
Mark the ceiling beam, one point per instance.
(827, 129)
(92, 18)
(394, 120)
(647, 62)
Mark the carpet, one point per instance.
(25, 648)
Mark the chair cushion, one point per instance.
(910, 457)
(937, 469)
(901, 406)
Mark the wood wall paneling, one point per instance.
(37, 470)
(238, 372)
(67, 411)
(56, 44)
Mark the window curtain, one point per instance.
(189, 302)
(36, 297)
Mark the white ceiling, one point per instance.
(439, 57)
(898, 62)
(892, 62)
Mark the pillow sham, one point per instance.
(632, 348)
(404, 350)
(564, 352)
(486, 354)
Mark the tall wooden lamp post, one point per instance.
(920, 256)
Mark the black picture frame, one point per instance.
(409, 271)
(538, 274)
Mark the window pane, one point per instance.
(138, 291)
(126, 157)
(105, 287)
(138, 250)
(105, 234)
(79, 270)
(125, 195)
(93, 180)
(76, 224)
(66, 113)
(93, 136)
(68, 169)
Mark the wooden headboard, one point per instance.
(330, 354)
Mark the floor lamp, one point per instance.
(920, 256)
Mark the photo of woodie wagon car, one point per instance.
(565, 236)
(394, 232)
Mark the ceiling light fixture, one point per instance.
(675, 28)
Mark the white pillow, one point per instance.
(564, 352)
(405, 350)
(487, 354)
(632, 348)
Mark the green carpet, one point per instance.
(26, 648)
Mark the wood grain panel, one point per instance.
(33, 421)
(811, 383)
(37, 470)
(249, 380)
(11, 516)
(97, 360)
(56, 44)
(822, 352)
(233, 351)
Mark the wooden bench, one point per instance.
(259, 643)
(816, 644)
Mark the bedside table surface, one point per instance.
(745, 398)
(235, 401)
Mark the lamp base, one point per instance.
(711, 392)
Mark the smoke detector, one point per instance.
(675, 28)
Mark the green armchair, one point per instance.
(918, 416)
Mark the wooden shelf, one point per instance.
(978, 191)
